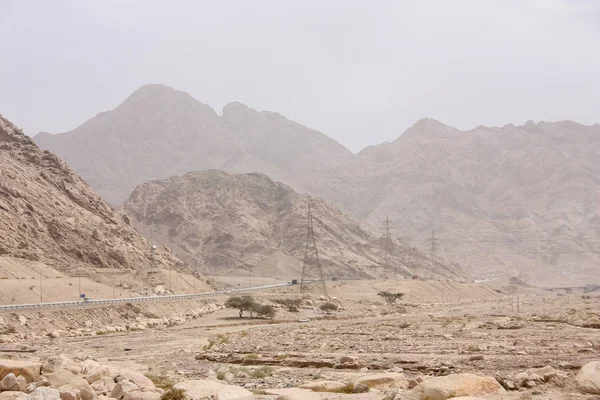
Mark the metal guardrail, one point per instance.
(141, 299)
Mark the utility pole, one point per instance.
(312, 264)
(433, 250)
(388, 247)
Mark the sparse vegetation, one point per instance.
(174, 394)
(214, 341)
(251, 356)
(390, 297)
(291, 303)
(162, 382)
(328, 307)
(262, 372)
(251, 306)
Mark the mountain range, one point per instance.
(502, 201)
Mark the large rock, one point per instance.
(44, 393)
(447, 387)
(14, 396)
(94, 374)
(588, 378)
(122, 388)
(142, 395)
(324, 386)
(68, 392)
(86, 391)
(61, 377)
(294, 394)
(9, 382)
(30, 370)
(384, 381)
(104, 386)
(136, 377)
(72, 366)
(200, 389)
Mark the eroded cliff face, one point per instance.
(49, 214)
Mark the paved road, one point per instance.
(142, 299)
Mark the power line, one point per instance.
(312, 264)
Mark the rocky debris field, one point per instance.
(548, 350)
(40, 326)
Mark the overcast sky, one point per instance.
(360, 71)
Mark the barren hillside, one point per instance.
(248, 224)
(50, 217)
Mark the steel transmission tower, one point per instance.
(388, 246)
(433, 250)
(311, 266)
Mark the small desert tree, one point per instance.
(291, 304)
(243, 303)
(328, 307)
(266, 310)
(251, 306)
(389, 297)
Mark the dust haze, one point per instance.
(269, 200)
(360, 73)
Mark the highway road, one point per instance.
(171, 297)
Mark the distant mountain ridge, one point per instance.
(158, 132)
(508, 201)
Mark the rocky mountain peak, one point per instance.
(428, 127)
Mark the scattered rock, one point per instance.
(69, 393)
(588, 378)
(9, 383)
(324, 386)
(200, 389)
(30, 370)
(10, 395)
(360, 388)
(137, 377)
(104, 385)
(383, 381)
(61, 377)
(446, 387)
(122, 388)
(44, 393)
(142, 395)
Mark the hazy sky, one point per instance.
(359, 71)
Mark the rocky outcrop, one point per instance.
(49, 215)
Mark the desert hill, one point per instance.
(248, 224)
(49, 217)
